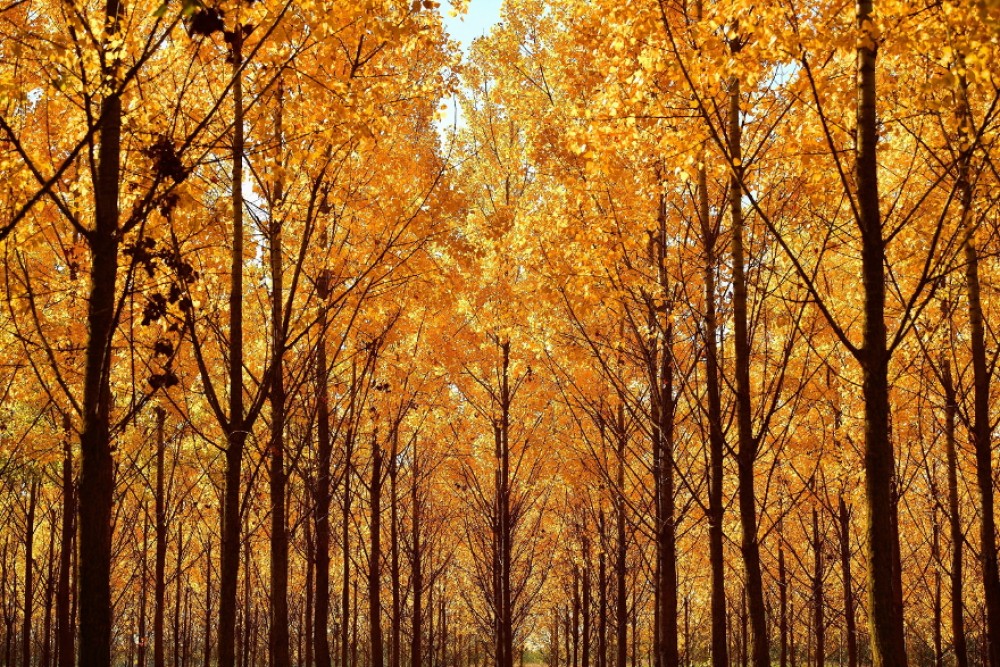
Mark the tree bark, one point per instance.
(884, 577)
(321, 623)
(29, 573)
(96, 461)
(954, 519)
(67, 534)
(850, 623)
(278, 600)
(236, 432)
(160, 562)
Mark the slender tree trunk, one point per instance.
(278, 600)
(160, 563)
(375, 557)
(884, 577)
(307, 634)
(67, 533)
(207, 661)
(720, 646)
(981, 382)
(178, 599)
(29, 574)
(50, 585)
(396, 620)
(818, 621)
(621, 548)
(602, 601)
(586, 609)
(783, 608)
(236, 433)
(321, 623)
(345, 614)
(936, 601)
(416, 565)
(850, 624)
(746, 455)
(954, 519)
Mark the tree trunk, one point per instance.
(96, 461)
(416, 566)
(229, 565)
(981, 381)
(321, 623)
(850, 624)
(396, 620)
(783, 609)
(954, 519)
(621, 548)
(29, 573)
(720, 647)
(67, 533)
(278, 634)
(207, 662)
(746, 455)
(884, 577)
(375, 557)
(818, 621)
(160, 563)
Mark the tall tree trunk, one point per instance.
(661, 369)
(817, 581)
(324, 453)
(307, 633)
(278, 600)
(716, 439)
(96, 461)
(50, 585)
(229, 565)
(621, 548)
(884, 577)
(207, 660)
(178, 599)
(602, 599)
(67, 533)
(160, 563)
(586, 609)
(746, 455)
(29, 573)
(397, 603)
(936, 614)
(850, 624)
(981, 380)
(954, 519)
(345, 613)
(375, 557)
(783, 608)
(416, 564)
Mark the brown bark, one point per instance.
(375, 645)
(981, 436)
(278, 600)
(236, 432)
(67, 533)
(160, 562)
(324, 452)
(954, 520)
(850, 623)
(720, 645)
(96, 461)
(884, 577)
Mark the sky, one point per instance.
(476, 22)
(465, 28)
